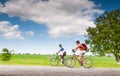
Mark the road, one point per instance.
(12, 70)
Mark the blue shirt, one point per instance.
(62, 49)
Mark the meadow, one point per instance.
(44, 60)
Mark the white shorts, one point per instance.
(80, 53)
(61, 52)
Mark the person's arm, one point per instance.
(78, 47)
(75, 49)
(59, 51)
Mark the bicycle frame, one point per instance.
(76, 58)
(85, 62)
(57, 57)
(56, 60)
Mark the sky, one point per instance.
(39, 26)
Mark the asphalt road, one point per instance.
(12, 70)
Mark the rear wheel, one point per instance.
(87, 63)
(70, 62)
(54, 61)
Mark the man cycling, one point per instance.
(79, 50)
(61, 52)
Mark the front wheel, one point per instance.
(70, 62)
(54, 61)
(87, 63)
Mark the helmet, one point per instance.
(77, 41)
(60, 45)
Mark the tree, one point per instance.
(6, 54)
(105, 37)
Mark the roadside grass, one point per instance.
(28, 60)
(107, 62)
(43, 60)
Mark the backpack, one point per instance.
(85, 46)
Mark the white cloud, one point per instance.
(9, 31)
(62, 17)
(30, 33)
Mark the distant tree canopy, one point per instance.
(105, 37)
(6, 54)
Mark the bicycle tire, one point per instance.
(70, 62)
(54, 62)
(87, 63)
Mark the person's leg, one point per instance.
(64, 54)
(76, 53)
(61, 58)
(81, 58)
(73, 55)
(81, 55)
(60, 54)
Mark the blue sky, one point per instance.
(39, 26)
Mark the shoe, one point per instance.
(62, 61)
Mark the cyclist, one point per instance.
(61, 52)
(79, 50)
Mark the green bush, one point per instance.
(6, 54)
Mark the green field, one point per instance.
(43, 60)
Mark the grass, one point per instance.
(43, 60)
(107, 62)
(28, 60)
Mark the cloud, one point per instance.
(9, 31)
(30, 33)
(64, 18)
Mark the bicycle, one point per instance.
(85, 62)
(56, 60)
